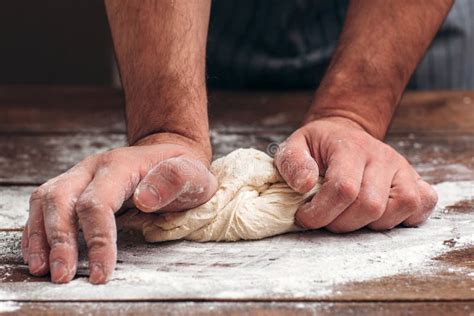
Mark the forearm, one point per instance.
(160, 47)
(378, 50)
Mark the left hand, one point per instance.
(366, 182)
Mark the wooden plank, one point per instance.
(35, 159)
(438, 258)
(438, 112)
(241, 308)
(30, 109)
(67, 97)
(99, 109)
(419, 112)
(432, 262)
(30, 159)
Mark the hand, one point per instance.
(163, 172)
(366, 182)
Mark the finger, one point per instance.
(404, 200)
(38, 248)
(428, 199)
(296, 165)
(96, 206)
(60, 221)
(175, 184)
(340, 189)
(24, 243)
(371, 202)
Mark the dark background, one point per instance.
(55, 42)
(69, 42)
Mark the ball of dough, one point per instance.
(252, 202)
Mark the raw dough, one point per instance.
(252, 202)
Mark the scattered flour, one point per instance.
(9, 306)
(294, 266)
(14, 206)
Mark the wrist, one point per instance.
(201, 148)
(340, 120)
(340, 96)
(177, 111)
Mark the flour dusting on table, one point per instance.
(294, 266)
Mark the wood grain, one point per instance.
(47, 129)
(432, 262)
(60, 109)
(244, 308)
(35, 159)
(212, 272)
(100, 109)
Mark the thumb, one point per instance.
(175, 184)
(296, 165)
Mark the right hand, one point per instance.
(162, 172)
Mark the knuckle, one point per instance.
(98, 240)
(410, 200)
(433, 198)
(387, 151)
(38, 193)
(90, 158)
(106, 158)
(52, 197)
(111, 156)
(86, 163)
(404, 162)
(88, 204)
(430, 198)
(47, 192)
(388, 156)
(346, 189)
(373, 208)
(59, 237)
(35, 235)
(53, 200)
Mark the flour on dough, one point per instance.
(252, 202)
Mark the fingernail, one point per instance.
(36, 263)
(96, 273)
(148, 196)
(59, 272)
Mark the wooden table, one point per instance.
(428, 270)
